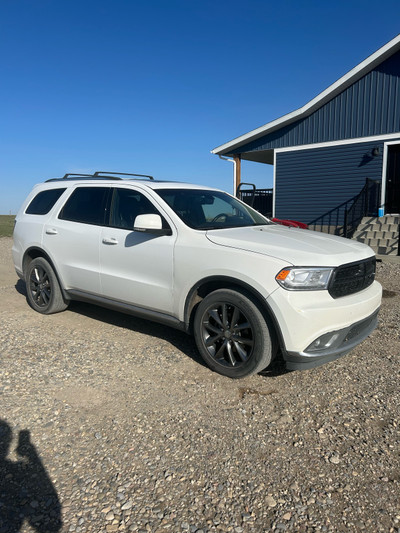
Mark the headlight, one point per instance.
(304, 279)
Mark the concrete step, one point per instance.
(384, 250)
(387, 219)
(381, 250)
(380, 233)
(393, 259)
(386, 243)
(379, 227)
(368, 234)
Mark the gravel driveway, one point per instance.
(109, 423)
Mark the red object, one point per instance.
(290, 223)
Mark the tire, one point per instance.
(223, 340)
(42, 288)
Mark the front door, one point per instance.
(392, 201)
(136, 268)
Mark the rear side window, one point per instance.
(44, 202)
(86, 205)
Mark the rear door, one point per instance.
(72, 238)
(136, 268)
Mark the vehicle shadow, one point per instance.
(26, 491)
(20, 287)
(275, 369)
(182, 341)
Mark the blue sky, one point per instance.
(151, 87)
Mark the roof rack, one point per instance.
(67, 177)
(97, 174)
(80, 175)
(90, 177)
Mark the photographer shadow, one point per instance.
(26, 491)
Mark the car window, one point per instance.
(44, 202)
(217, 209)
(86, 205)
(126, 205)
(208, 209)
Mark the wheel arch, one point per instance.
(207, 285)
(35, 252)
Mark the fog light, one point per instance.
(323, 342)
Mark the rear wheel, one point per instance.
(231, 334)
(43, 290)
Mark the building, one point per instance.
(324, 153)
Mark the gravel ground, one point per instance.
(109, 423)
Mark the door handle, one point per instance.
(51, 231)
(110, 240)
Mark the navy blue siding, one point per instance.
(310, 183)
(371, 106)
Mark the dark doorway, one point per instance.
(393, 180)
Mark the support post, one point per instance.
(238, 171)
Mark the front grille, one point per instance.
(352, 278)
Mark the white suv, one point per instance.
(200, 260)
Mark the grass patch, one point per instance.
(6, 225)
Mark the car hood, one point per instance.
(296, 246)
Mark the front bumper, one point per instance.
(304, 317)
(345, 340)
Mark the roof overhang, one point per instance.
(259, 156)
(340, 85)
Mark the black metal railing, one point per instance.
(344, 219)
(259, 199)
(365, 204)
(246, 195)
(332, 221)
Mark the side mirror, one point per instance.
(150, 224)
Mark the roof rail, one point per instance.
(83, 178)
(97, 176)
(122, 174)
(80, 175)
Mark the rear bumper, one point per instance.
(345, 340)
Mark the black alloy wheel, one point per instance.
(40, 287)
(44, 294)
(232, 334)
(227, 334)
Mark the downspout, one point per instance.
(236, 170)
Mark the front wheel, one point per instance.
(231, 334)
(43, 289)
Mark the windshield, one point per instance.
(210, 209)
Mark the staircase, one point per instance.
(381, 234)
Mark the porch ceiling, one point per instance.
(259, 156)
